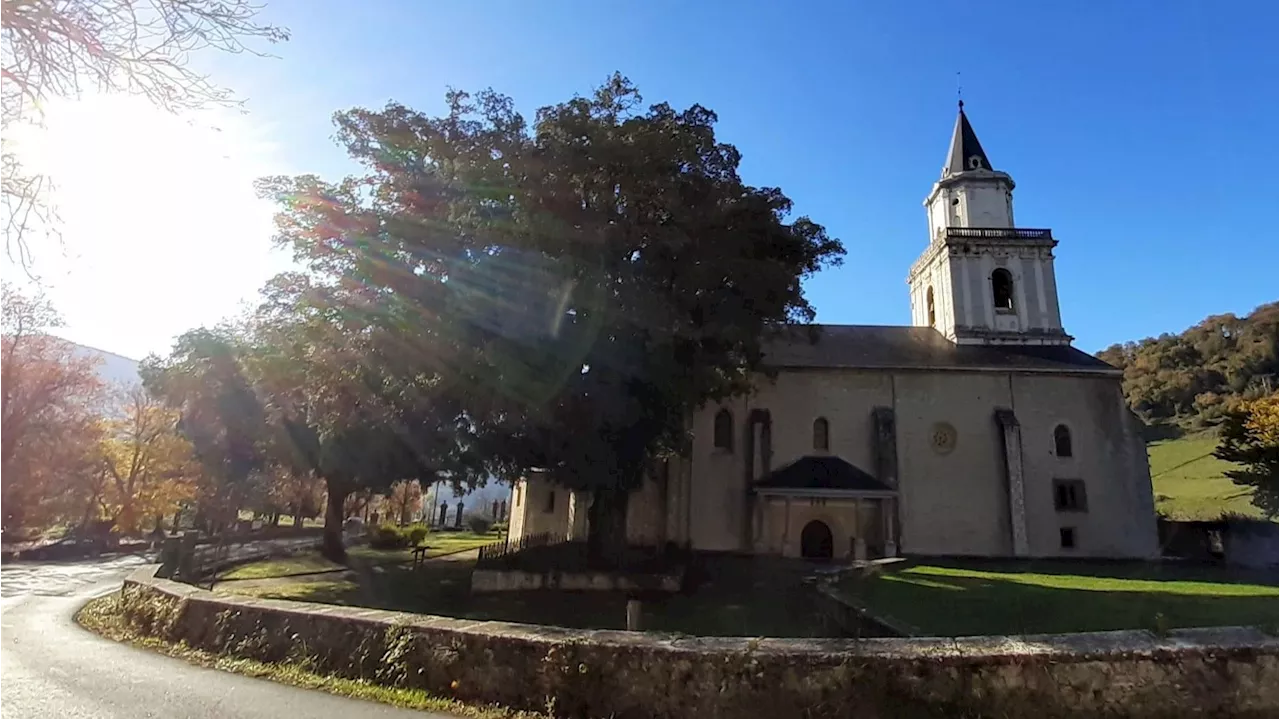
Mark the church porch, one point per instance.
(824, 508)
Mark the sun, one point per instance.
(160, 227)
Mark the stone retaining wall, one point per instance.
(1211, 673)
(510, 580)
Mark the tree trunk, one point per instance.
(332, 547)
(177, 519)
(275, 519)
(607, 526)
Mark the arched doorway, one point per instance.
(816, 542)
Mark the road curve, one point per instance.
(51, 667)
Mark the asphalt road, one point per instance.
(50, 667)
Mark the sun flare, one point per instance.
(160, 228)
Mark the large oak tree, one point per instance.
(582, 282)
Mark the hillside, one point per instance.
(1189, 380)
(113, 369)
(1188, 480)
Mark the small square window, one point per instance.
(1067, 537)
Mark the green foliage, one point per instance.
(577, 284)
(220, 413)
(416, 533)
(387, 536)
(479, 524)
(1194, 379)
(390, 536)
(1248, 438)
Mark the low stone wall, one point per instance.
(507, 580)
(1211, 673)
(856, 621)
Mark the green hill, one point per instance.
(1188, 480)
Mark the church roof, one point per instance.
(888, 347)
(821, 473)
(965, 148)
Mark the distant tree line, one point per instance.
(1195, 379)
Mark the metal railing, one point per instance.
(498, 551)
(998, 233)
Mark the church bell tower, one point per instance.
(982, 279)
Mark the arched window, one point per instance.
(1062, 441)
(928, 300)
(821, 434)
(724, 430)
(1002, 289)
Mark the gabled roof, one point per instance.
(821, 473)
(966, 152)
(887, 347)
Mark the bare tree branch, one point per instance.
(64, 48)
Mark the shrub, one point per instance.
(416, 533)
(388, 536)
(479, 524)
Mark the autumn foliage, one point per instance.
(50, 428)
(147, 468)
(1249, 437)
(75, 451)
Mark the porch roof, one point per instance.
(826, 475)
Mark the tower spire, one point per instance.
(966, 152)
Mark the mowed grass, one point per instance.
(737, 597)
(298, 564)
(1189, 483)
(308, 563)
(963, 598)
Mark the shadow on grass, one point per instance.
(735, 597)
(1160, 571)
(957, 605)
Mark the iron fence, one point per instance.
(501, 553)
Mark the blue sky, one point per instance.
(1143, 132)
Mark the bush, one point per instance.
(416, 533)
(479, 524)
(388, 536)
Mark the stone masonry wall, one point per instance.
(1211, 673)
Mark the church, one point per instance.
(976, 431)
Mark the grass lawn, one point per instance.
(736, 598)
(975, 597)
(282, 567)
(447, 542)
(437, 543)
(1189, 483)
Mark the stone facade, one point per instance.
(538, 507)
(977, 431)
(952, 499)
(582, 673)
